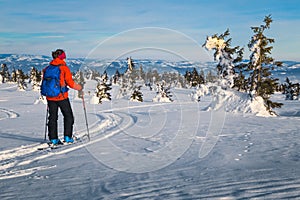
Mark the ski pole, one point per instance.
(86, 121)
(46, 123)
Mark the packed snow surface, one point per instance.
(151, 150)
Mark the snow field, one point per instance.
(251, 158)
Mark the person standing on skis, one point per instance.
(61, 101)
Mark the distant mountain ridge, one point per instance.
(289, 69)
(25, 62)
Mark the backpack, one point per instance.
(51, 82)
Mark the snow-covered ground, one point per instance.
(148, 150)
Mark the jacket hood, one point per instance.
(58, 61)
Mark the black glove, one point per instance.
(82, 85)
(80, 94)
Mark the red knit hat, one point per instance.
(62, 56)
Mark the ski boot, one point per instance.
(68, 139)
(55, 142)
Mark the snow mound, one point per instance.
(96, 100)
(201, 91)
(237, 102)
(160, 98)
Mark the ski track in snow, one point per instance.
(23, 156)
(189, 178)
(7, 114)
(21, 161)
(11, 159)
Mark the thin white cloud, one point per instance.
(87, 23)
(51, 36)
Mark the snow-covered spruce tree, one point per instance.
(79, 77)
(201, 91)
(116, 77)
(188, 78)
(193, 78)
(240, 81)
(291, 90)
(102, 90)
(296, 91)
(176, 80)
(163, 93)
(180, 81)
(35, 78)
(152, 77)
(95, 75)
(137, 95)
(196, 78)
(14, 76)
(226, 56)
(260, 81)
(138, 79)
(124, 86)
(21, 77)
(4, 74)
(129, 82)
(156, 77)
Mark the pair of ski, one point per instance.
(50, 146)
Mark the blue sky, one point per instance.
(83, 27)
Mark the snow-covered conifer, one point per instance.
(291, 90)
(128, 82)
(196, 78)
(116, 77)
(35, 78)
(79, 77)
(137, 95)
(188, 78)
(149, 85)
(124, 88)
(4, 74)
(95, 75)
(163, 93)
(193, 78)
(180, 81)
(240, 82)
(14, 76)
(201, 91)
(21, 77)
(260, 81)
(102, 91)
(226, 56)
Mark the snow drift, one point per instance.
(236, 102)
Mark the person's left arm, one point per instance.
(69, 79)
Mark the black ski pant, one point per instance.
(66, 110)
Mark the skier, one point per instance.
(61, 101)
